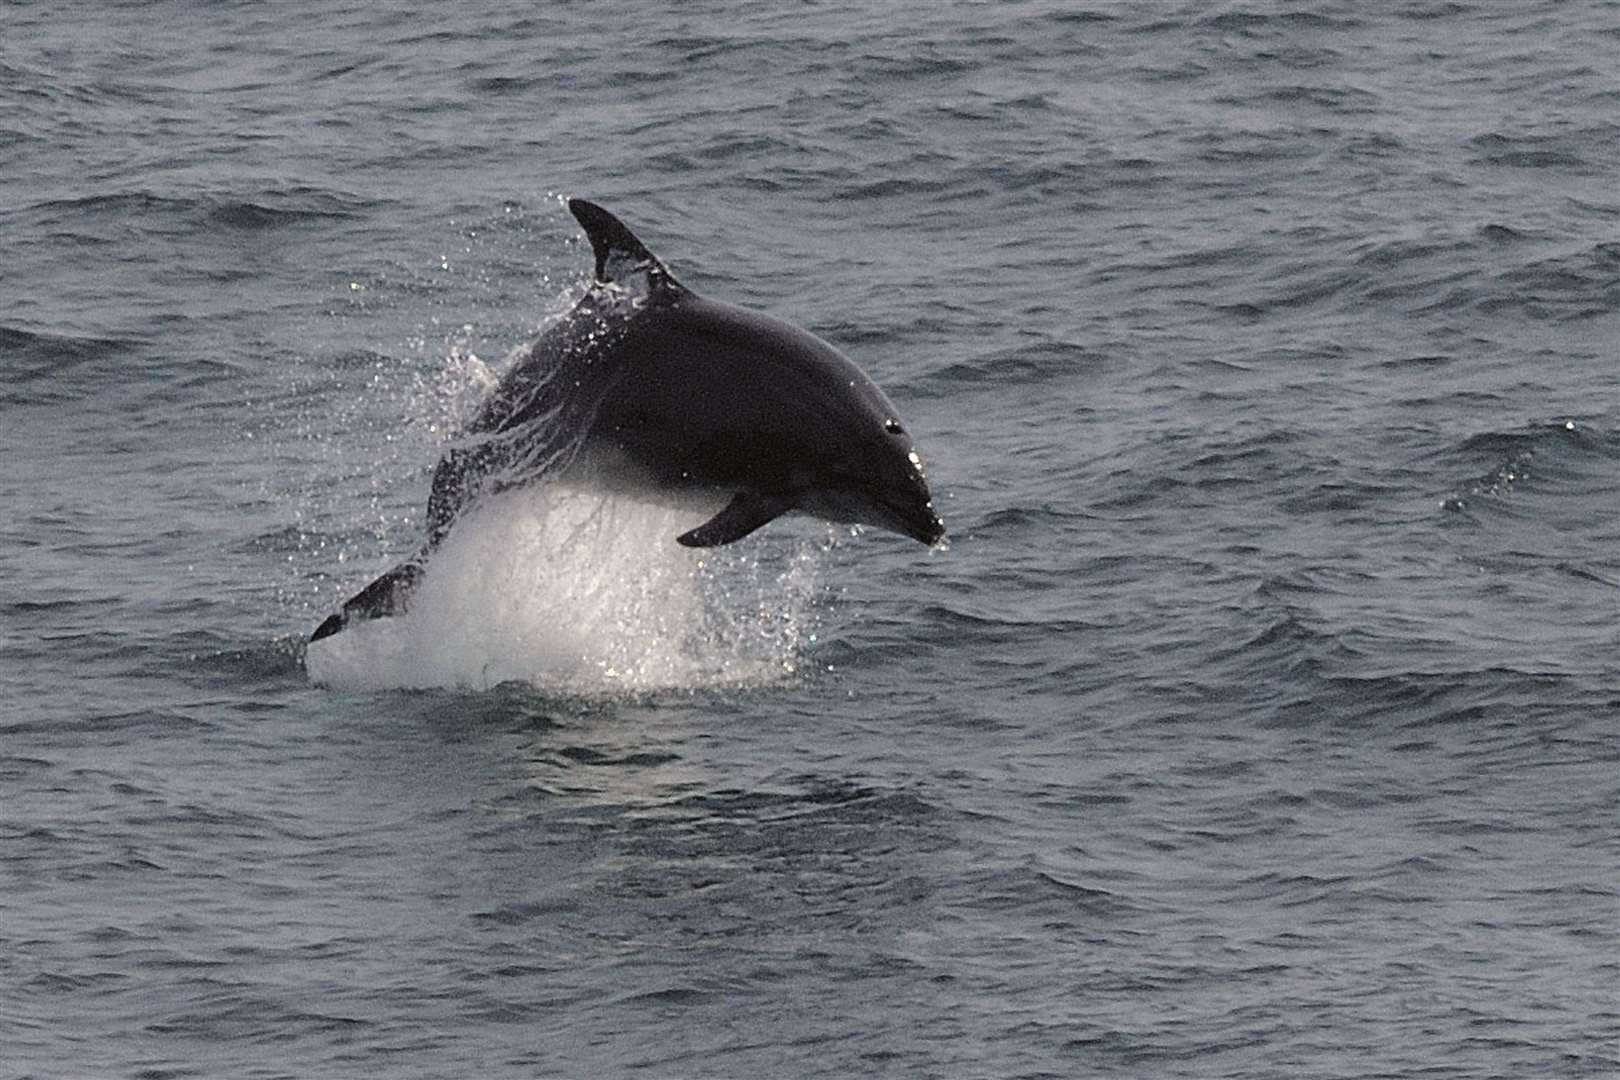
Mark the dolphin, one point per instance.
(649, 389)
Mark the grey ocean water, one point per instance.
(1260, 720)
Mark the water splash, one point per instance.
(571, 590)
(583, 592)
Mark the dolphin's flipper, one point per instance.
(742, 515)
(383, 597)
(613, 244)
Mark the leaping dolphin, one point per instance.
(647, 388)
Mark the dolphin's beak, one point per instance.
(916, 520)
(926, 528)
(907, 508)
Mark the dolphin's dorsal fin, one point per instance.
(618, 252)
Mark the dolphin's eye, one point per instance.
(893, 427)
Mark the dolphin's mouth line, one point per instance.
(922, 524)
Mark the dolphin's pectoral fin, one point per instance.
(384, 597)
(742, 515)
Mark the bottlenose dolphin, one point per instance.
(649, 389)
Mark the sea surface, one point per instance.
(1261, 717)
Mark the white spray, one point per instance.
(582, 591)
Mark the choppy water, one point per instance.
(1261, 719)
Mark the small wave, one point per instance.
(1527, 151)
(1024, 519)
(1498, 233)
(1037, 888)
(810, 797)
(896, 187)
(1578, 285)
(262, 209)
(1340, 496)
(270, 662)
(1388, 254)
(115, 202)
(1256, 24)
(109, 723)
(1563, 452)
(1346, 101)
(33, 353)
(249, 215)
(507, 84)
(1039, 362)
(923, 64)
(1428, 360)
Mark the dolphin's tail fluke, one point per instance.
(384, 597)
